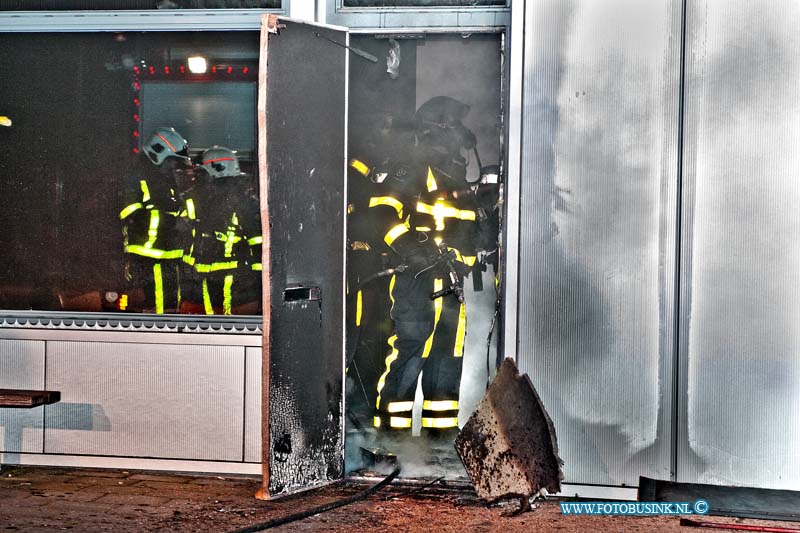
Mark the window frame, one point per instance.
(452, 18)
(138, 21)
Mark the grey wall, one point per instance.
(740, 302)
(597, 237)
(179, 400)
(649, 369)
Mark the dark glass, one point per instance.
(113, 5)
(80, 106)
(423, 3)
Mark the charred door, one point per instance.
(302, 149)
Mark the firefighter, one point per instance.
(226, 250)
(432, 230)
(154, 231)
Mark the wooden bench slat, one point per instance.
(27, 398)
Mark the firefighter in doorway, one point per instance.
(155, 218)
(429, 221)
(226, 250)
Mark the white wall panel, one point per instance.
(162, 401)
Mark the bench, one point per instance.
(28, 398)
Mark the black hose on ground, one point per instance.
(275, 522)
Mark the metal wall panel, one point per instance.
(140, 400)
(252, 405)
(740, 300)
(597, 237)
(21, 367)
(305, 118)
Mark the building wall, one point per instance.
(658, 258)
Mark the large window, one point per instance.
(111, 5)
(79, 109)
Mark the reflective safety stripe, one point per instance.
(190, 209)
(215, 267)
(256, 266)
(207, 299)
(440, 405)
(376, 421)
(461, 331)
(125, 213)
(350, 208)
(158, 280)
(394, 233)
(188, 259)
(437, 304)
(431, 183)
(400, 422)
(153, 253)
(227, 296)
(389, 360)
(258, 239)
(423, 229)
(440, 211)
(152, 231)
(359, 166)
(440, 423)
(399, 407)
(358, 308)
(394, 203)
(145, 191)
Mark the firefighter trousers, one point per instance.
(429, 339)
(161, 281)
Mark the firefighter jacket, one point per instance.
(421, 199)
(227, 233)
(153, 216)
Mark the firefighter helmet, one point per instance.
(220, 162)
(438, 123)
(164, 143)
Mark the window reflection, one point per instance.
(98, 217)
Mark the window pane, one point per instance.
(107, 209)
(423, 3)
(111, 5)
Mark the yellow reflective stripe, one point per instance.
(387, 200)
(376, 421)
(188, 259)
(437, 303)
(207, 299)
(389, 360)
(145, 191)
(399, 407)
(440, 423)
(227, 296)
(359, 309)
(159, 288)
(256, 266)
(423, 228)
(214, 267)
(154, 253)
(190, 208)
(461, 331)
(152, 231)
(258, 239)
(125, 213)
(431, 182)
(359, 166)
(400, 422)
(350, 208)
(394, 233)
(440, 211)
(440, 405)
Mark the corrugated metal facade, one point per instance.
(598, 207)
(615, 130)
(740, 305)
